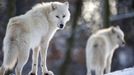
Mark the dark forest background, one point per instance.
(66, 54)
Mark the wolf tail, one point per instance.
(10, 55)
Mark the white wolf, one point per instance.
(100, 48)
(33, 30)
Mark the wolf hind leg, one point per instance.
(22, 60)
(35, 61)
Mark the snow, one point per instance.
(128, 71)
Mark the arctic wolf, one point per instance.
(100, 49)
(33, 30)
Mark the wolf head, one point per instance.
(117, 35)
(60, 14)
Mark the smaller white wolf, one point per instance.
(33, 30)
(100, 49)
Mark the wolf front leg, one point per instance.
(43, 52)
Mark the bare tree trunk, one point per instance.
(70, 41)
(106, 14)
(0, 3)
(11, 8)
(110, 10)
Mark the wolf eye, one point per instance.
(63, 16)
(57, 16)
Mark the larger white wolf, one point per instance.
(33, 30)
(100, 48)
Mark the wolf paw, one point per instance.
(49, 73)
(31, 73)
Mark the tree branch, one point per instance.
(122, 16)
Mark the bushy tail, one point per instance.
(10, 57)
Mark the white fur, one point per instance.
(100, 49)
(33, 30)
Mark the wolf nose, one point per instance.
(123, 43)
(61, 25)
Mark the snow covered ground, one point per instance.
(128, 71)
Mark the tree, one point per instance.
(11, 8)
(70, 41)
(97, 13)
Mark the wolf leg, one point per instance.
(35, 61)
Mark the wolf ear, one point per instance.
(53, 6)
(66, 3)
(113, 30)
(117, 26)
